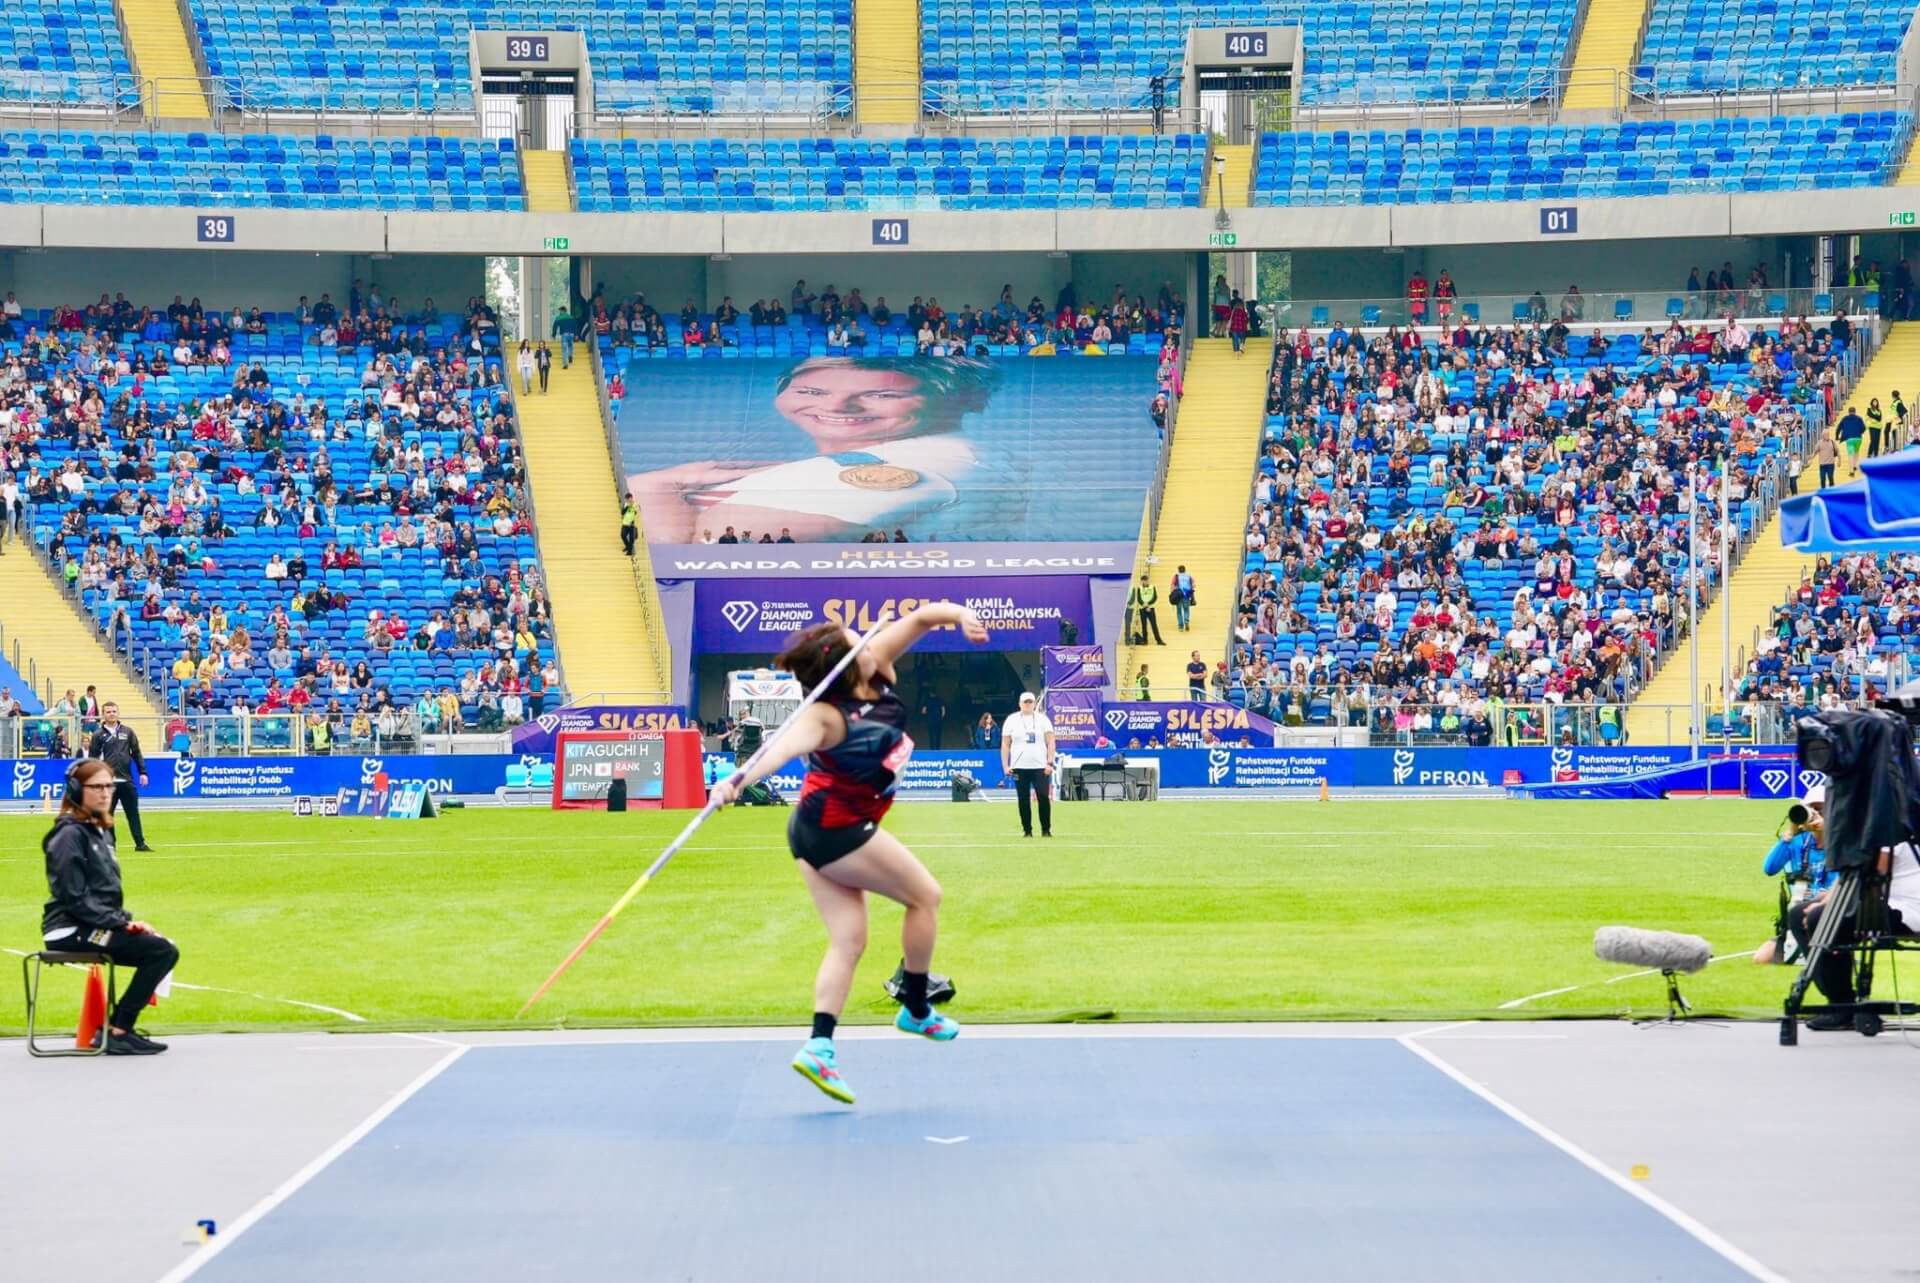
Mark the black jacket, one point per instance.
(121, 752)
(83, 878)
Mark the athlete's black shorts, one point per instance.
(822, 846)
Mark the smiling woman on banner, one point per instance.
(890, 451)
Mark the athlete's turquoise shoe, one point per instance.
(814, 1062)
(938, 1025)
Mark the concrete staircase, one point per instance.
(1203, 511)
(544, 174)
(158, 48)
(886, 61)
(1605, 50)
(1766, 574)
(1908, 175)
(61, 648)
(1237, 181)
(608, 628)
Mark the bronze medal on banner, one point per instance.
(879, 476)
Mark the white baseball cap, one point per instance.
(1028, 697)
(1816, 796)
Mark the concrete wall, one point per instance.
(220, 278)
(667, 282)
(448, 279)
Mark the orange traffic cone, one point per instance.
(93, 1010)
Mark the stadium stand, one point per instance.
(62, 50)
(1848, 631)
(1131, 172)
(1771, 573)
(1526, 162)
(411, 55)
(633, 327)
(277, 170)
(1701, 46)
(1530, 547)
(988, 55)
(277, 513)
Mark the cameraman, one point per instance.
(1899, 871)
(1800, 857)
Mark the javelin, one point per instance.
(693, 825)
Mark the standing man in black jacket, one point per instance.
(119, 748)
(84, 912)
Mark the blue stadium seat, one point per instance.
(1712, 46)
(1535, 162)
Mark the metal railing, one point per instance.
(1643, 308)
(641, 563)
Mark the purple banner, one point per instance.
(1074, 667)
(538, 735)
(1137, 725)
(887, 560)
(756, 616)
(1075, 715)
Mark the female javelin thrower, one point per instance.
(857, 738)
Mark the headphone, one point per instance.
(75, 794)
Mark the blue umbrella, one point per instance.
(1842, 519)
(1893, 488)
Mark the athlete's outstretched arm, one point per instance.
(815, 728)
(897, 638)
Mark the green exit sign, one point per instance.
(555, 242)
(1901, 218)
(1222, 240)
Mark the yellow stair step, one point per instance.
(162, 56)
(545, 173)
(886, 61)
(63, 650)
(608, 626)
(1203, 511)
(1604, 51)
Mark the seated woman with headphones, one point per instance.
(84, 913)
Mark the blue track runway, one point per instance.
(1109, 1158)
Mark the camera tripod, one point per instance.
(1857, 907)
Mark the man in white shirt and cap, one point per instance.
(1027, 754)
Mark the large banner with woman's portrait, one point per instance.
(929, 449)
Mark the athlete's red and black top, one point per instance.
(853, 782)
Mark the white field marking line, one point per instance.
(430, 1040)
(289, 1187)
(1706, 1236)
(290, 1002)
(1611, 980)
(1295, 841)
(485, 1040)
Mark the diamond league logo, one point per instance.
(1219, 762)
(370, 767)
(1813, 779)
(1774, 781)
(547, 722)
(183, 773)
(1116, 718)
(22, 778)
(1402, 765)
(739, 614)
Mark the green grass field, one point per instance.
(1232, 910)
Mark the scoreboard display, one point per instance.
(588, 766)
(661, 768)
